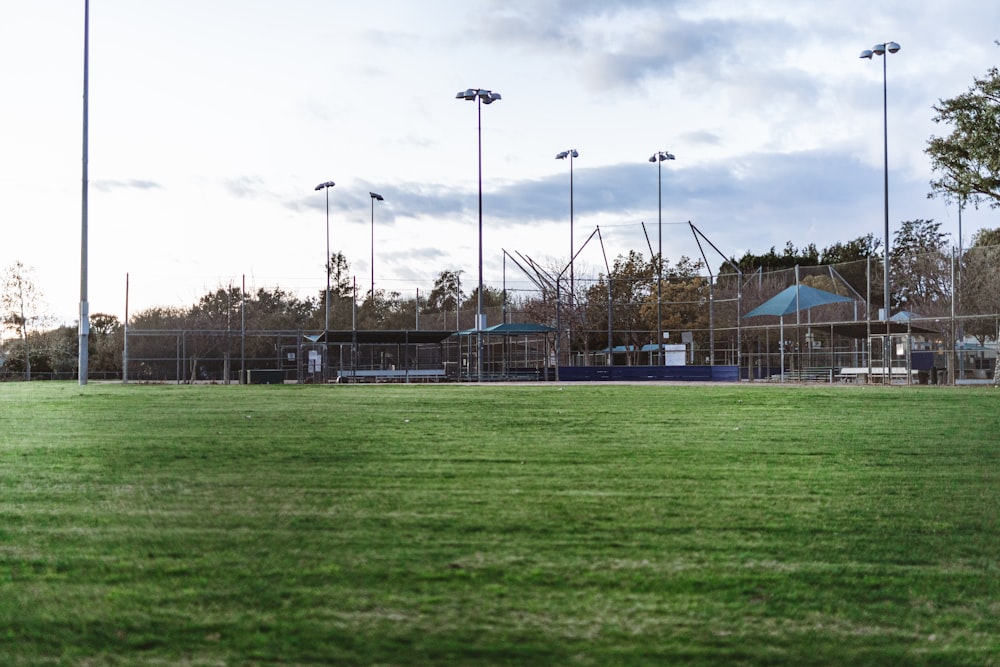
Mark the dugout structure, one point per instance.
(228, 356)
(381, 356)
(511, 351)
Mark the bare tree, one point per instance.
(21, 306)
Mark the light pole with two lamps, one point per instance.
(571, 153)
(326, 295)
(326, 301)
(375, 197)
(881, 50)
(658, 157)
(480, 96)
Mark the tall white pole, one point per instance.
(125, 336)
(243, 329)
(326, 300)
(84, 306)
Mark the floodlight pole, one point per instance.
(326, 295)
(84, 343)
(326, 302)
(571, 153)
(658, 158)
(884, 50)
(479, 95)
(375, 197)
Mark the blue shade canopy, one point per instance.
(784, 302)
(510, 329)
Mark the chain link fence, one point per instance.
(943, 327)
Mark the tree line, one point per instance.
(626, 305)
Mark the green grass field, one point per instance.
(497, 525)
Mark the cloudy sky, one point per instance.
(212, 121)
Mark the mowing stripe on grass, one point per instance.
(539, 524)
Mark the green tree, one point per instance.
(979, 287)
(850, 260)
(966, 163)
(631, 280)
(277, 309)
(859, 249)
(986, 237)
(144, 349)
(57, 351)
(444, 300)
(920, 268)
(446, 293)
(402, 313)
(492, 303)
(375, 310)
(52, 352)
(160, 318)
(789, 258)
(342, 302)
(214, 323)
(106, 343)
(684, 293)
(341, 282)
(211, 329)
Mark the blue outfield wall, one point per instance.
(652, 373)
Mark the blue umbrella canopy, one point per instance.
(785, 302)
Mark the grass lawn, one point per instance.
(499, 525)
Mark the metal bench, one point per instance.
(394, 375)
